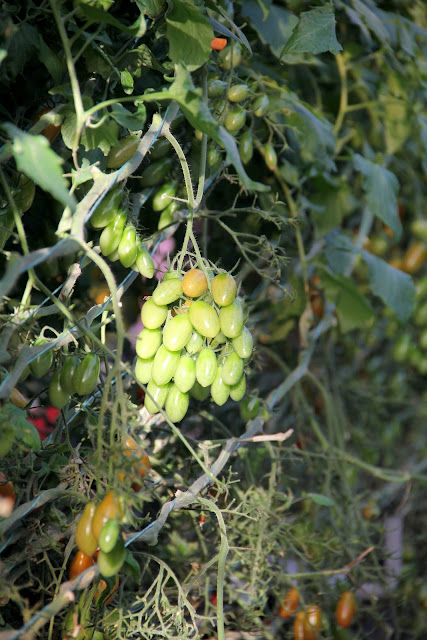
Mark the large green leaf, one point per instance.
(315, 135)
(189, 33)
(132, 121)
(35, 158)
(352, 308)
(314, 33)
(134, 59)
(333, 201)
(381, 187)
(98, 16)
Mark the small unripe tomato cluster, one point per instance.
(75, 376)
(194, 340)
(411, 346)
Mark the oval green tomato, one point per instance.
(110, 237)
(144, 262)
(216, 88)
(237, 391)
(109, 564)
(235, 119)
(232, 369)
(220, 391)
(86, 375)
(261, 105)
(156, 172)
(155, 396)
(194, 343)
(148, 341)
(67, 372)
(162, 197)
(167, 291)
(270, 156)
(143, 369)
(176, 405)
(58, 397)
(206, 367)
(214, 158)
(164, 365)
(402, 347)
(421, 288)
(41, 365)
(231, 319)
(243, 344)
(238, 92)
(230, 57)
(420, 316)
(107, 209)
(122, 152)
(127, 248)
(109, 535)
(185, 374)
(423, 340)
(246, 146)
(198, 392)
(204, 319)
(153, 315)
(165, 219)
(249, 408)
(160, 149)
(224, 289)
(171, 275)
(219, 339)
(177, 332)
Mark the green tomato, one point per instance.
(153, 315)
(67, 372)
(237, 391)
(58, 397)
(171, 275)
(260, 105)
(204, 319)
(165, 219)
(164, 365)
(127, 248)
(144, 262)
(223, 288)
(194, 343)
(85, 377)
(246, 146)
(243, 344)
(206, 367)
(219, 339)
(167, 291)
(156, 172)
(402, 348)
(162, 197)
(185, 374)
(216, 88)
(220, 391)
(177, 332)
(420, 316)
(122, 152)
(110, 237)
(143, 369)
(156, 394)
(235, 119)
(160, 149)
(198, 392)
(232, 369)
(107, 209)
(214, 158)
(41, 365)
(231, 319)
(176, 404)
(148, 341)
(109, 535)
(230, 57)
(270, 156)
(421, 288)
(109, 564)
(238, 92)
(423, 340)
(249, 408)
(7, 438)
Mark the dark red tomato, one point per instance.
(79, 563)
(289, 605)
(346, 609)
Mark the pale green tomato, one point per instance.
(185, 374)
(231, 319)
(149, 340)
(206, 367)
(167, 291)
(177, 332)
(220, 391)
(176, 405)
(164, 365)
(194, 343)
(144, 262)
(143, 370)
(153, 315)
(219, 339)
(243, 344)
(158, 395)
(232, 369)
(238, 390)
(204, 319)
(198, 392)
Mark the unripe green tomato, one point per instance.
(171, 275)
(237, 391)
(86, 375)
(153, 315)
(25, 373)
(148, 341)
(164, 365)
(423, 340)
(162, 197)
(270, 156)
(113, 257)
(223, 288)
(156, 172)
(420, 316)
(232, 369)
(204, 319)
(58, 398)
(206, 367)
(246, 146)
(109, 564)
(230, 57)
(243, 344)
(422, 365)
(160, 149)
(419, 229)
(176, 404)
(110, 237)
(165, 219)
(249, 408)
(238, 92)
(185, 374)
(85, 540)
(167, 291)
(231, 319)
(216, 88)
(144, 262)
(143, 369)
(158, 395)
(177, 332)
(421, 288)
(107, 209)
(219, 339)
(220, 391)
(41, 365)
(127, 248)
(260, 105)
(194, 343)
(235, 119)
(214, 159)
(67, 372)
(198, 392)
(109, 535)
(122, 152)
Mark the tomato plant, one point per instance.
(345, 609)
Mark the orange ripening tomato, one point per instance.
(7, 496)
(18, 399)
(345, 610)
(79, 563)
(218, 44)
(102, 585)
(194, 283)
(108, 508)
(143, 461)
(289, 604)
(52, 130)
(414, 258)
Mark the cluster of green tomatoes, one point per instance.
(412, 347)
(194, 341)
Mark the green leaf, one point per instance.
(126, 81)
(314, 33)
(103, 137)
(131, 567)
(381, 187)
(189, 33)
(35, 158)
(152, 8)
(98, 16)
(24, 430)
(22, 45)
(332, 201)
(398, 122)
(124, 117)
(315, 135)
(84, 173)
(352, 308)
(318, 498)
(134, 59)
(50, 61)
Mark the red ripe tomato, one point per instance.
(289, 605)
(194, 283)
(345, 610)
(299, 626)
(218, 44)
(79, 563)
